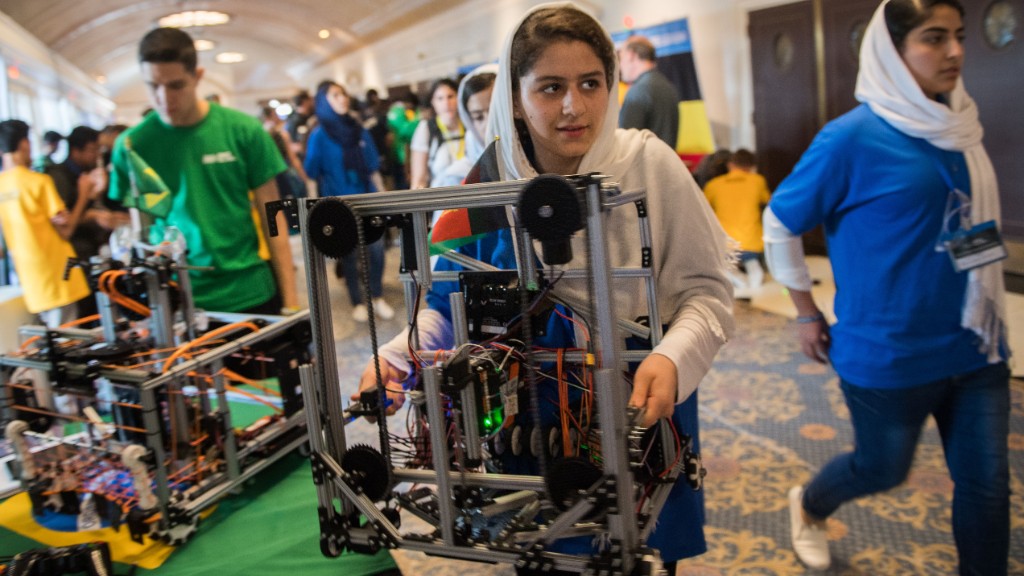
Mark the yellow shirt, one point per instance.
(27, 202)
(737, 199)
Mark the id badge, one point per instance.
(981, 245)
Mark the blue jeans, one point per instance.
(349, 267)
(972, 412)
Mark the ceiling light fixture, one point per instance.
(191, 18)
(202, 44)
(230, 57)
(324, 34)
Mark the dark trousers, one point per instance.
(972, 412)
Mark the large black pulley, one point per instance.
(333, 229)
(369, 471)
(549, 209)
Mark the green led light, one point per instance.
(488, 423)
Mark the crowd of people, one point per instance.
(904, 348)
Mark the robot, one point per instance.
(511, 449)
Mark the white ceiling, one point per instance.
(279, 38)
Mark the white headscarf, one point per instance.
(887, 86)
(475, 142)
(456, 172)
(612, 152)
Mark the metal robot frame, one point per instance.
(141, 436)
(349, 514)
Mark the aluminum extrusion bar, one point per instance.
(439, 454)
(470, 431)
(484, 480)
(442, 198)
(611, 395)
(324, 389)
(227, 349)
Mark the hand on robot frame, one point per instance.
(392, 378)
(654, 388)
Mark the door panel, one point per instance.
(843, 22)
(993, 77)
(782, 58)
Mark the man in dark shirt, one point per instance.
(652, 101)
(81, 172)
(299, 122)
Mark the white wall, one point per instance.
(474, 32)
(56, 85)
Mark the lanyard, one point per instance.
(958, 203)
(460, 149)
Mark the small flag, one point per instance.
(461, 226)
(153, 195)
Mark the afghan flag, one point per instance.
(675, 60)
(150, 194)
(462, 226)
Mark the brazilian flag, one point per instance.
(150, 194)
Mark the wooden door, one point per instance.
(994, 76)
(785, 87)
(843, 23)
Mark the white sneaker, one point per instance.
(809, 541)
(381, 308)
(360, 313)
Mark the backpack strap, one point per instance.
(436, 138)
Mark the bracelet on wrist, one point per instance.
(810, 319)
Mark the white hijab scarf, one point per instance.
(612, 152)
(475, 142)
(887, 86)
(456, 172)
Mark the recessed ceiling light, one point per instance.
(190, 18)
(324, 34)
(101, 79)
(203, 44)
(230, 57)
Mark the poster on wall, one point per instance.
(675, 60)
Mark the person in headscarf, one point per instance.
(342, 159)
(899, 183)
(438, 141)
(555, 110)
(475, 92)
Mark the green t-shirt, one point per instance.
(210, 169)
(403, 126)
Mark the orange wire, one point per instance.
(209, 335)
(230, 374)
(253, 396)
(70, 324)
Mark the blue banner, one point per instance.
(668, 38)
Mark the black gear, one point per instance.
(333, 230)
(369, 471)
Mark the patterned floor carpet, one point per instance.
(770, 419)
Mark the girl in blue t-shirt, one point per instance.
(920, 331)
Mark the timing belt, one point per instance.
(364, 286)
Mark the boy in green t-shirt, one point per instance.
(219, 165)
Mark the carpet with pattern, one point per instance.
(770, 419)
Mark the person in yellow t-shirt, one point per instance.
(37, 226)
(738, 197)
